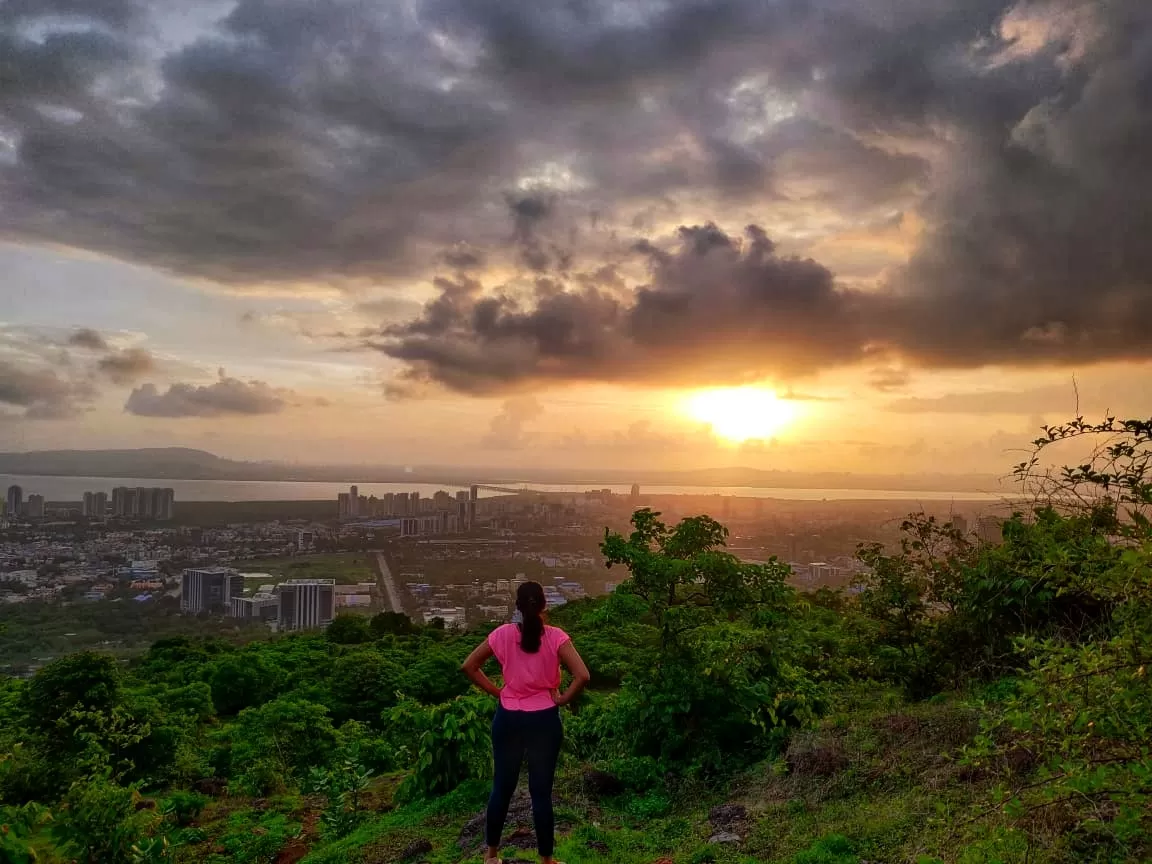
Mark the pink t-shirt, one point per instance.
(529, 679)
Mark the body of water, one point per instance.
(73, 489)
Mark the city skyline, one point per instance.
(886, 236)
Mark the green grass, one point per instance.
(877, 783)
(346, 568)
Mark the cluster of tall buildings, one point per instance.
(443, 513)
(142, 502)
(296, 604)
(126, 503)
(95, 505)
(15, 505)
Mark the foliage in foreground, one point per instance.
(704, 668)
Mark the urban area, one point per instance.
(452, 559)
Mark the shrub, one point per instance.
(343, 787)
(256, 841)
(16, 824)
(279, 742)
(100, 823)
(444, 745)
(183, 806)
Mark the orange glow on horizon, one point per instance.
(739, 414)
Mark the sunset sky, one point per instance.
(545, 233)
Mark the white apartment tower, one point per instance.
(306, 604)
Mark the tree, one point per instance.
(434, 676)
(278, 742)
(81, 682)
(243, 680)
(725, 678)
(391, 623)
(364, 685)
(348, 629)
(1082, 706)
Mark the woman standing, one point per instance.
(527, 723)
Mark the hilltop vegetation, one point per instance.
(966, 702)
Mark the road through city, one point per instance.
(391, 594)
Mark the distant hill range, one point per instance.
(180, 463)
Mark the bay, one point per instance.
(63, 489)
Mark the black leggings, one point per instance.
(516, 736)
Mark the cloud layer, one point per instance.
(46, 375)
(545, 152)
(714, 308)
(227, 397)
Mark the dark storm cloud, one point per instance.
(332, 139)
(124, 367)
(89, 339)
(41, 393)
(111, 12)
(715, 307)
(227, 397)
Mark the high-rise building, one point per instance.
(209, 589)
(99, 505)
(959, 523)
(87, 507)
(354, 502)
(15, 500)
(143, 502)
(343, 505)
(35, 507)
(121, 505)
(166, 504)
(305, 538)
(306, 603)
(442, 500)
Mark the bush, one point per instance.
(279, 742)
(256, 838)
(343, 787)
(637, 773)
(100, 823)
(183, 806)
(444, 745)
(16, 824)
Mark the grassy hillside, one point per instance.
(966, 702)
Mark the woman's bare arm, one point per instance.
(574, 663)
(473, 667)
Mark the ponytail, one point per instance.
(530, 602)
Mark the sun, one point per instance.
(741, 413)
